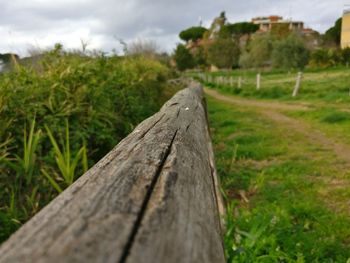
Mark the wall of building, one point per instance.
(345, 32)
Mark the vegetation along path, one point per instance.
(286, 181)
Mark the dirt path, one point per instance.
(255, 103)
(274, 112)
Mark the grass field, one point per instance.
(284, 166)
(331, 85)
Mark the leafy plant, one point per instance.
(27, 163)
(30, 146)
(66, 161)
(102, 97)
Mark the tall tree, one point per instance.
(333, 34)
(290, 53)
(183, 58)
(223, 53)
(192, 33)
(260, 51)
(242, 28)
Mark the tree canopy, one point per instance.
(223, 53)
(290, 53)
(260, 50)
(242, 28)
(333, 34)
(192, 33)
(183, 58)
(7, 57)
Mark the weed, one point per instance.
(27, 162)
(66, 161)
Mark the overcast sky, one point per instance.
(26, 24)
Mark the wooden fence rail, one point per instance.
(153, 198)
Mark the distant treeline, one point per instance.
(242, 45)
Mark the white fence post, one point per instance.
(258, 81)
(298, 84)
(239, 82)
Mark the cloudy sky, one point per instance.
(28, 24)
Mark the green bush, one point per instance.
(183, 58)
(102, 99)
(223, 53)
(260, 51)
(290, 53)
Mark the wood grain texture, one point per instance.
(153, 198)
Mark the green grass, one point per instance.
(331, 119)
(330, 85)
(281, 207)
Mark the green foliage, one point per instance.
(223, 53)
(333, 34)
(336, 117)
(7, 57)
(345, 54)
(280, 30)
(66, 161)
(242, 28)
(320, 58)
(200, 58)
(290, 53)
(329, 57)
(192, 33)
(183, 58)
(26, 164)
(102, 98)
(7, 226)
(260, 51)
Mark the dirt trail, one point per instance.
(255, 103)
(274, 111)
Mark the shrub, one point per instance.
(102, 98)
(183, 58)
(260, 50)
(223, 53)
(290, 53)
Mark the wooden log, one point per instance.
(153, 198)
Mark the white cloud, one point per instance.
(102, 22)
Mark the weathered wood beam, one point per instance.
(153, 198)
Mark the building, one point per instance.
(345, 30)
(267, 23)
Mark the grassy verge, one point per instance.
(286, 196)
(330, 85)
(331, 119)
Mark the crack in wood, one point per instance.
(144, 205)
(152, 126)
(178, 113)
